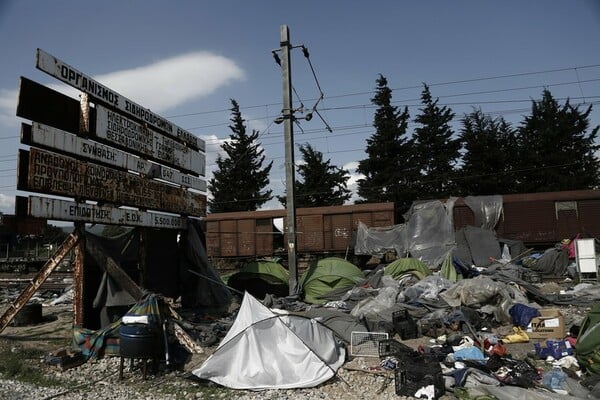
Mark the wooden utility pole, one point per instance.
(288, 129)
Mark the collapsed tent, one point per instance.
(402, 266)
(269, 349)
(261, 277)
(587, 348)
(326, 275)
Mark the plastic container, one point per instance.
(554, 379)
(404, 325)
(141, 341)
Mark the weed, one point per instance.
(21, 365)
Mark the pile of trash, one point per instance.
(464, 318)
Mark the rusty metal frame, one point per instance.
(50, 265)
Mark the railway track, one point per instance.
(56, 281)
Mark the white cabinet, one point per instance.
(587, 262)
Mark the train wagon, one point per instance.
(542, 219)
(318, 229)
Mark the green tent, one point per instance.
(261, 277)
(403, 266)
(587, 348)
(326, 275)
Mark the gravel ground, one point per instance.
(100, 380)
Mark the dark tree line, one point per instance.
(552, 149)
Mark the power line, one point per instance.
(480, 79)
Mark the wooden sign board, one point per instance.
(44, 105)
(66, 73)
(44, 136)
(51, 173)
(64, 210)
(123, 132)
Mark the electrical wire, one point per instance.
(480, 79)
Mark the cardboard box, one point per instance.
(549, 325)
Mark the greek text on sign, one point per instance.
(56, 139)
(123, 132)
(63, 71)
(64, 210)
(65, 176)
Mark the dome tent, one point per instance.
(403, 266)
(326, 275)
(271, 349)
(261, 277)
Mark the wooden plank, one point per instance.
(55, 174)
(64, 210)
(39, 103)
(114, 270)
(47, 137)
(100, 93)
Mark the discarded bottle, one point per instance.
(555, 378)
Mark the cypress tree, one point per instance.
(556, 151)
(488, 156)
(239, 182)
(388, 169)
(437, 151)
(321, 183)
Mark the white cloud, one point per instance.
(353, 181)
(160, 86)
(8, 107)
(171, 82)
(7, 204)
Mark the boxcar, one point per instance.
(541, 219)
(318, 229)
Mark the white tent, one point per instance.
(268, 349)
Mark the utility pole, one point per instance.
(288, 132)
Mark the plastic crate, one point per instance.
(391, 347)
(404, 325)
(408, 381)
(366, 344)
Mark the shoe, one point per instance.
(518, 337)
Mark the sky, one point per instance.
(186, 60)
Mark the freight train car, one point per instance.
(542, 219)
(318, 229)
(537, 219)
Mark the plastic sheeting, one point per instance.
(377, 241)
(430, 231)
(265, 349)
(486, 209)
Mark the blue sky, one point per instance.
(186, 59)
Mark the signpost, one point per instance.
(50, 138)
(45, 172)
(63, 210)
(66, 73)
(125, 133)
(118, 162)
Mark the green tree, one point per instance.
(556, 152)
(388, 172)
(436, 149)
(488, 156)
(239, 182)
(322, 184)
